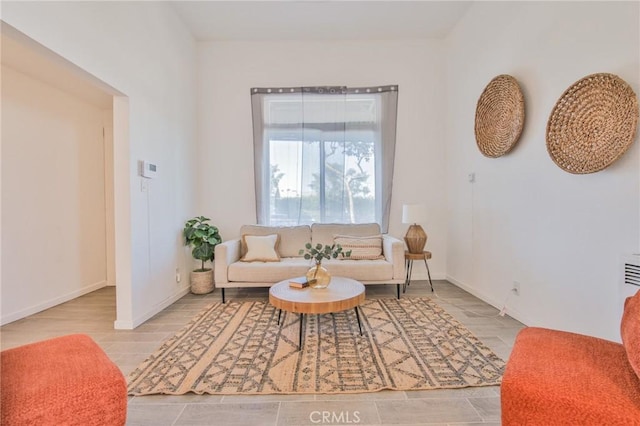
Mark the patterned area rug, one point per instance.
(238, 348)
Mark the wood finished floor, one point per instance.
(95, 313)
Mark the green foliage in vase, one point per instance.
(319, 252)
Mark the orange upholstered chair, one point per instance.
(559, 378)
(63, 381)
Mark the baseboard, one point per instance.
(123, 325)
(487, 299)
(51, 303)
(130, 325)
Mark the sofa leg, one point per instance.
(222, 294)
(398, 290)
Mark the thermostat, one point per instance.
(149, 170)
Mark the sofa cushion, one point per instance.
(324, 233)
(630, 331)
(261, 248)
(292, 238)
(361, 247)
(258, 272)
(289, 267)
(361, 270)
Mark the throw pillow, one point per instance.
(630, 331)
(369, 248)
(261, 248)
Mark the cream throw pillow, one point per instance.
(369, 248)
(261, 248)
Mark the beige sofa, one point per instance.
(230, 272)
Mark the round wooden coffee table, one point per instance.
(342, 294)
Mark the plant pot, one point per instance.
(318, 277)
(202, 281)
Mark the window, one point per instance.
(324, 154)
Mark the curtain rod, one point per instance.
(323, 90)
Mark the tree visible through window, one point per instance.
(322, 155)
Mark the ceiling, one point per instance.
(251, 20)
(319, 20)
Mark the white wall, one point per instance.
(53, 193)
(227, 70)
(144, 51)
(560, 235)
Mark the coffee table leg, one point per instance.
(358, 318)
(301, 325)
(279, 313)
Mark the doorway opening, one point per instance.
(65, 183)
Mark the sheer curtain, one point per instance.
(324, 154)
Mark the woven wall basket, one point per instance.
(592, 124)
(499, 116)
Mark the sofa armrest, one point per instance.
(225, 254)
(393, 251)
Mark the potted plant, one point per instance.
(318, 276)
(203, 237)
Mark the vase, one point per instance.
(202, 282)
(318, 277)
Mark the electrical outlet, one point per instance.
(516, 288)
(178, 276)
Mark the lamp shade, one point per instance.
(414, 213)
